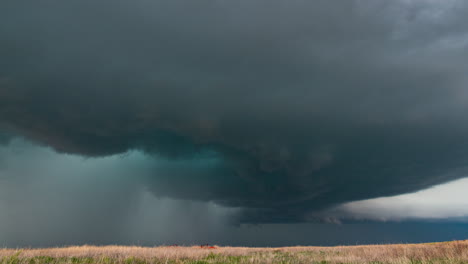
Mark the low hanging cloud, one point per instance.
(49, 199)
(54, 199)
(283, 108)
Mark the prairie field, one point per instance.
(443, 252)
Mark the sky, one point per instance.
(258, 123)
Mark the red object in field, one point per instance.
(207, 246)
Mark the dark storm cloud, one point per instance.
(4, 138)
(51, 199)
(288, 107)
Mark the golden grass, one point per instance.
(444, 252)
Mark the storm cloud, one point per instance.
(279, 108)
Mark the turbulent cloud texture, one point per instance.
(67, 200)
(282, 108)
(51, 199)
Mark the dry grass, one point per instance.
(445, 252)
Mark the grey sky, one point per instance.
(283, 109)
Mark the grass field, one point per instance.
(444, 252)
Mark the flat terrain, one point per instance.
(444, 252)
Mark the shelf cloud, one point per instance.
(278, 108)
